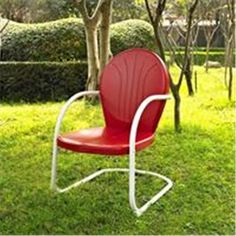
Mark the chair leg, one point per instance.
(132, 171)
(132, 198)
(54, 167)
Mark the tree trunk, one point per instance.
(177, 101)
(188, 77)
(207, 57)
(230, 62)
(159, 43)
(225, 76)
(174, 88)
(195, 81)
(231, 6)
(104, 40)
(226, 62)
(230, 82)
(91, 27)
(175, 91)
(93, 60)
(187, 52)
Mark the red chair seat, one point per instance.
(102, 141)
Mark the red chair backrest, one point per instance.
(125, 82)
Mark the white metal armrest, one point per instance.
(57, 130)
(139, 113)
(65, 108)
(132, 140)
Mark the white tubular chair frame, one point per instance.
(132, 152)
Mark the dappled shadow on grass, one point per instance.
(200, 162)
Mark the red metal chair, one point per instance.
(133, 90)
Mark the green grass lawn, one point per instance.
(200, 161)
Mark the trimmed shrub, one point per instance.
(130, 34)
(41, 81)
(64, 40)
(61, 40)
(200, 57)
(203, 49)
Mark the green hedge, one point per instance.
(61, 40)
(131, 33)
(203, 49)
(64, 40)
(200, 57)
(41, 81)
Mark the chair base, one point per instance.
(138, 211)
(132, 153)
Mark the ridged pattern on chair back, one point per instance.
(126, 81)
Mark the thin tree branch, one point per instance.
(4, 26)
(190, 17)
(196, 34)
(172, 46)
(193, 7)
(159, 10)
(149, 12)
(83, 10)
(178, 29)
(96, 14)
(213, 32)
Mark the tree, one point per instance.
(209, 14)
(29, 11)
(97, 56)
(131, 9)
(155, 19)
(176, 8)
(225, 27)
(15, 10)
(185, 30)
(231, 40)
(48, 10)
(3, 24)
(209, 31)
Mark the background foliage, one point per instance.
(64, 40)
(30, 11)
(41, 81)
(131, 33)
(59, 40)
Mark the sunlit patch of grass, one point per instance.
(200, 161)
